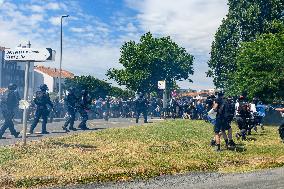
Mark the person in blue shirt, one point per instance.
(261, 111)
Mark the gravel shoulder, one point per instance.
(272, 178)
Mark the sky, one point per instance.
(96, 29)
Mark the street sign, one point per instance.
(29, 54)
(23, 104)
(161, 84)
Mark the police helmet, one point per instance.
(221, 94)
(241, 98)
(12, 86)
(71, 90)
(140, 95)
(84, 92)
(43, 87)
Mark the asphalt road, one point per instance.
(267, 179)
(55, 129)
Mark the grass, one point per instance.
(137, 152)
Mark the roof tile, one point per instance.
(53, 72)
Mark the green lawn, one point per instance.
(136, 152)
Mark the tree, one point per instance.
(118, 92)
(246, 20)
(97, 88)
(149, 61)
(260, 68)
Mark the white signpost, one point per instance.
(28, 55)
(161, 84)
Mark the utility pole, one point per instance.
(26, 94)
(60, 66)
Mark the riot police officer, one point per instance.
(9, 103)
(107, 108)
(242, 114)
(70, 102)
(141, 106)
(43, 103)
(84, 103)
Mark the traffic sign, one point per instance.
(28, 54)
(161, 84)
(24, 104)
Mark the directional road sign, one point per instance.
(29, 54)
(161, 84)
(24, 104)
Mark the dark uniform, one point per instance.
(242, 117)
(70, 102)
(173, 107)
(84, 103)
(107, 109)
(42, 101)
(141, 105)
(221, 120)
(9, 103)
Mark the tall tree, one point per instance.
(96, 88)
(260, 68)
(151, 60)
(246, 20)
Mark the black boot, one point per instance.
(65, 129)
(72, 128)
(16, 134)
(213, 143)
(218, 148)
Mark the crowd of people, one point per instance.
(216, 109)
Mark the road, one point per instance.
(266, 179)
(55, 129)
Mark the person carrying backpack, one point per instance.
(9, 102)
(281, 127)
(222, 122)
(242, 115)
(141, 106)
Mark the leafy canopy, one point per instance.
(246, 20)
(149, 61)
(97, 88)
(260, 68)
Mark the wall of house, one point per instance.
(42, 78)
(56, 84)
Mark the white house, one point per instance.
(50, 77)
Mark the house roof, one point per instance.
(53, 72)
(203, 94)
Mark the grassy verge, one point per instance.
(136, 152)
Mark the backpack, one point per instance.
(229, 110)
(244, 109)
(9, 100)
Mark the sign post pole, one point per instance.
(163, 85)
(165, 101)
(28, 55)
(26, 93)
